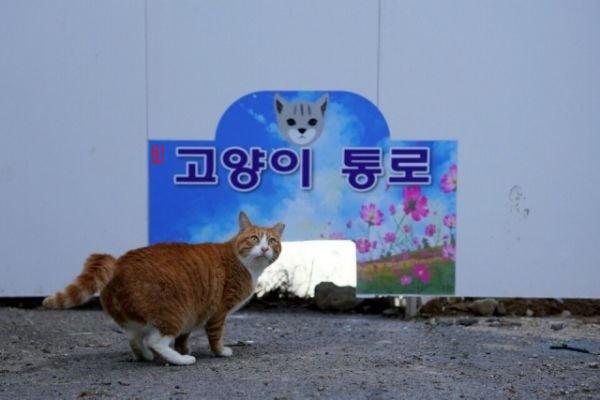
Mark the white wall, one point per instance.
(518, 83)
(204, 55)
(515, 82)
(73, 137)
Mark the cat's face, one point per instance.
(301, 122)
(258, 247)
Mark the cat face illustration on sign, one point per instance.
(323, 162)
(301, 122)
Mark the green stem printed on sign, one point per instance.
(369, 240)
(398, 227)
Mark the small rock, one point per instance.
(529, 312)
(241, 343)
(484, 307)
(391, 312)
(330, 297)
(565, 314)
(501, 309)
(462, 306)
(593, 365)
(467, 321)
(557, 326)
(115, 329)
(509, 324)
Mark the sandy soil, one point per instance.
(301, 354)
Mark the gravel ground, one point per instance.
(298, 354)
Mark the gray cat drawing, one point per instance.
(301, 122)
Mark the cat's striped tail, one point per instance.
(97, 272)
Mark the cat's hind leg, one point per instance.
(140, 351)
(161, 345)
(181, 343)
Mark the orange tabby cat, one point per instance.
(161, 293)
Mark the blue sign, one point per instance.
(323, 163)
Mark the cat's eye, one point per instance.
(272, 241)
(312, 122)
(255, 239)
(291, 122)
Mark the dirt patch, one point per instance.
(452, 306)
(439, 306)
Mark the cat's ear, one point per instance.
(244, 221)
(279, 103)
(279, 227)
(322, 103)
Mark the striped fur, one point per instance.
(301, 122)
(161, 293)
(97, 272)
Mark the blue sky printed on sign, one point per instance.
(196, 214)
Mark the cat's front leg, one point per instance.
(214, 330)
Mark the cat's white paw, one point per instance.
(226, 352)
(186, 360)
